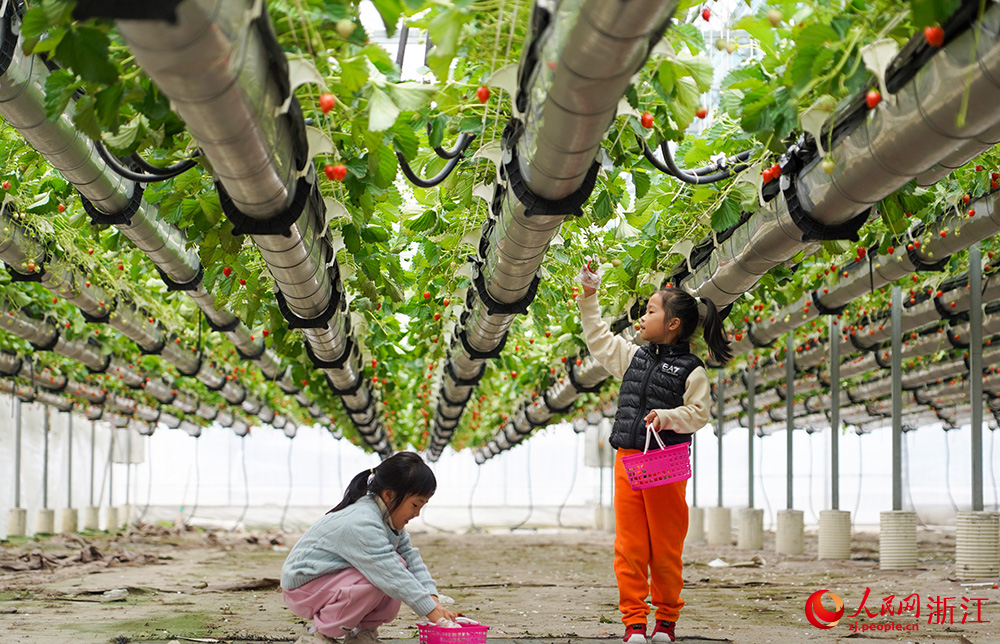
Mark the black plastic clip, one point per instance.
(755, 342)
(349, 391)
(251, 357)
(223, 328)
(332, 364)
(280, 224)
(102, 319)
(323, 319)
(161, 10)
(570, 369)
(8, 35)
(499, 308)
(49, 345)
(462, 382)
(533, 205)
(121, 218)
(552, 408)
(825, 310)
(921, 265)
(813, 230)
(191, 285)
(481, 355)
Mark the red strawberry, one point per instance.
(891, 249)
(6, 185)
(647, 120)
(243, 282)
(775, 171)
(227, 271)
(966, 198)
(61, 208)
(427, 295)
(934, 35)
(483, 93)
(873, 98)
(265, 333)
(548, 333)
(767, 175)
(335, 172)
(327, 102)
(706, 14)
(374, 363)
(445, 302)
(437, 316)
(701, 112)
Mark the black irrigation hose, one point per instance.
(531, 503)
(170, 170)
(457, 151)
(993, 475)
(472, 493)
(197, 482)
(423, 517)
(947, 474)
(572, 486)
(763, 489)
(909, 491)
(695, 177)
(149, 482)
(246, 483)
(288, 498)
(861, 472)
(131, 175)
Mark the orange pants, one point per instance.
(650, 526)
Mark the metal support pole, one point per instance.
(69, 460)
(16, 402)
(721, 399)
(897, 400)
(45, 456)
(976, 372)
(93, 458)
(834, 336)
(751, 391)
(404, 33)
(790, 411)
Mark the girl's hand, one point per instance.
(439, 612)
(654, 420)
(589, 278)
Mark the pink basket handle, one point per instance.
(656, 435)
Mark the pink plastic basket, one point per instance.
(468, 633)
(658, 467)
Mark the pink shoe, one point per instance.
(635, 634)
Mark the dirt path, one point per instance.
(524, 585)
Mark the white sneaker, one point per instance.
(363, 636)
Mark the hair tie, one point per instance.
(371, 477)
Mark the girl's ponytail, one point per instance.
(403, 473)
(715, 338)
(356, 489)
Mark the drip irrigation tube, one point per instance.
(246, 483)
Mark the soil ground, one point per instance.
(556, 586)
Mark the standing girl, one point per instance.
(664, 386)
(352, 569)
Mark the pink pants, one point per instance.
(340, 602)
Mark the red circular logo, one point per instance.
(818, 615)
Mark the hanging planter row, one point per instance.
(574, 70)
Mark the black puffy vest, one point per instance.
(655, 379)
